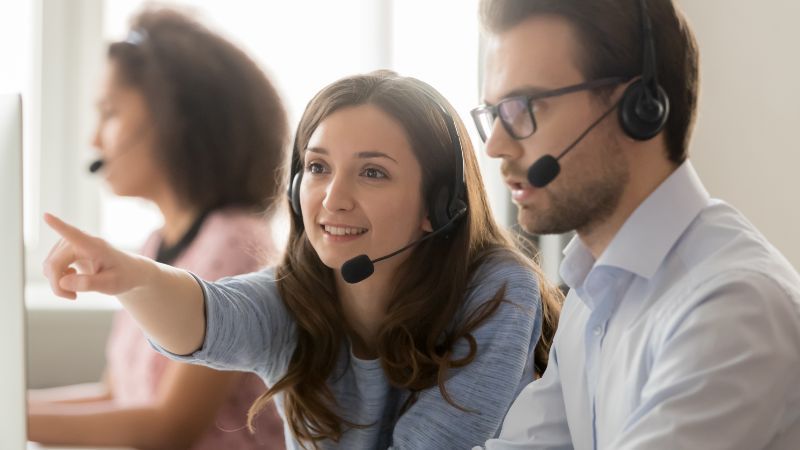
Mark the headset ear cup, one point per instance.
(640, 118)
(437, 211)
(294, 196)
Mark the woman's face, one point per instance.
(124, 138)
(361, 191)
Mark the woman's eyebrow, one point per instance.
(360, 155)
(374, 154)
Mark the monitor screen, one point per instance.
(12, 278)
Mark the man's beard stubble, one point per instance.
(581, 197)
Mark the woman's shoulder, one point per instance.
(231, 241)
(504, 267)
(235, 222)
(504, 270)
(150, 246)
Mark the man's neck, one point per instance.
(647, 174)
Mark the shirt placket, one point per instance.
(600, 293)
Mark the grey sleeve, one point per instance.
(488, 385)
(248, 327)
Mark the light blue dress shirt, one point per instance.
(684, 334)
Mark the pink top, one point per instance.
(229, 242)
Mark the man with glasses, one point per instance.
(682, 325)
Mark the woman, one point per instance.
(188, 122)
(426, 352)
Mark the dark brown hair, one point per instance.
(221, 130)
(416, 342)
(609, 33)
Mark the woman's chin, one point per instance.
(332, 262)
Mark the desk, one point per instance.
(66, 339)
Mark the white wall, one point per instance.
(746, 145)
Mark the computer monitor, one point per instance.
(12, 278)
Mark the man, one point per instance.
(682, 325)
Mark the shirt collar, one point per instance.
(650, 232)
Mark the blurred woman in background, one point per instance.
(190, 123)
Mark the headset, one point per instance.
(644, 107)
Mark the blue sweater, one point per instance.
(249, 329)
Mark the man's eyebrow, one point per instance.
(520, 91)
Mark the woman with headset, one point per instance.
(190, 123)
(425, 349)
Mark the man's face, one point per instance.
(542, 54)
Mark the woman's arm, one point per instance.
(76, 393)
(166, 302)
(188, 400)
(248, 327)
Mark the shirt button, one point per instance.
(598, 331)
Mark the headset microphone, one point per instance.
(356, 270)
(547, 168)
(129, 143)
(96, 165)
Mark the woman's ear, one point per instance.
(426, 225)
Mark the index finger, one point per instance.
(66, 230)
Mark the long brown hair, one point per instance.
(416, 341)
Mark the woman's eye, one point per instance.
(315, 168)
(371, 172)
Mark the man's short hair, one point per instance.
(610, 38)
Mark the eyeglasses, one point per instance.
(516, 113)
